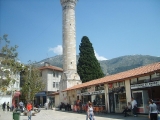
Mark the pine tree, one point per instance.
(88, 66)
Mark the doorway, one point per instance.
(111, 102)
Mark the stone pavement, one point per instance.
(59, 115)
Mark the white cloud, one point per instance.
(99, 57)
(57, 50)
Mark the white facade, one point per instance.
(8, 95)
(51, 76)
(52, 79)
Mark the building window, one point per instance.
(57, 74)
(54, 84)
(116, 84)
(155, 76)
(54, 74)
(57, 85)
(40, 74)
(143, 79)
(134, 81)
(121, 83)
(17, 84)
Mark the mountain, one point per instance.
(111, 66)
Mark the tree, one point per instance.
(88, 66)
(9, 64)
(32, 83)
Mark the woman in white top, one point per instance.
(152, 110)
(90, 112)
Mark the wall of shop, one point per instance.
(128, 90)
(106, 98)
(71, 97)
(57, 101)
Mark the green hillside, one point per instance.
(111, 66)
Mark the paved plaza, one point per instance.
(59, 115)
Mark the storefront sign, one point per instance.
(143, 85)
(93, 93)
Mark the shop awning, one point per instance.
(53, 94)
(41, 94)
(17, 93)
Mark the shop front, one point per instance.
(117, 97)
(94, 94)
(96, 97)
(145, 88)
(40, 98)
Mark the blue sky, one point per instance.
(115, 27)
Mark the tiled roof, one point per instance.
(137, 72)
(51, 67)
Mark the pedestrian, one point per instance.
(87, 110)
(21, 105)
(80, 106)
(134, 106)
(90, 112)
(153, 113)
(51, 104)
(127, 109)
(29, 108)
(4, 106)
(46, 106)
(8, 106)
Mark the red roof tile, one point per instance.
(140, 71)
(51, 67)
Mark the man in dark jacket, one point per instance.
(4, 106)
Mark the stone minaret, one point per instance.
(70, 76)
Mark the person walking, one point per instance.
(153, 113)
(127, 109)
(21, 105)
(8, 106)
(90, 112)
(4, 106)
(134, 106)
(80, 106)
(46, 106)
(87, 105)
(29, 108)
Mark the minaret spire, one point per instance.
(70, 76)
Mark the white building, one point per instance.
(51, 75)
(11, 94)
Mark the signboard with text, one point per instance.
(143, 85)
(93, 93)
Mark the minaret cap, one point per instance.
(68, 2)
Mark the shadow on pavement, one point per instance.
(112, 115)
